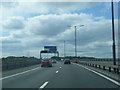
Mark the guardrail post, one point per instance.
(118, 70)
(90, 64)
(109, 69)
(99, 66)
(114, 70)
(96, 65)
(103, 67)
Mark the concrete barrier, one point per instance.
(15, 65)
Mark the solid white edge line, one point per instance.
(43, 85)
(115, 82)
(19, 73)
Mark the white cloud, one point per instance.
(27, 8)
(29, 35)
(14, 23)
(9, 5)
(52, 30)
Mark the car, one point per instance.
(67, 61)
(54, 61)
(46, 63)
(75, 61)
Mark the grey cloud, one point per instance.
(24, 8)
(56, 27)
(52, 30)
(11, 45)
(36, 43)
(95, 35)
(9, 4)
(10, 41)
(14, 23)
(91, 32)
(98, 49)
(12, 48)
(61, 7)
(51, 26)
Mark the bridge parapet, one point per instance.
(111, 68)
(100, 59)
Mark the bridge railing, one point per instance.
(100, 59)
(110, 68)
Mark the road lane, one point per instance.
(18, 70)
(32, 79)
(73, 76)
(10, 76)
(102, 75)
(59, 76)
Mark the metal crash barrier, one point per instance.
(110, 68)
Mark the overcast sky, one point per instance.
(29, 26)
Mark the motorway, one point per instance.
(59, 76)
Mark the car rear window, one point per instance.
(66, 59)
(45, 60)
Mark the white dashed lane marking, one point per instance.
(43, 86)
(57, 71)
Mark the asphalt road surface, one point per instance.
(59, 76)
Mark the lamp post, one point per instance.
(113, 35)
(75, 43)
(75, 39)
(64, 49)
